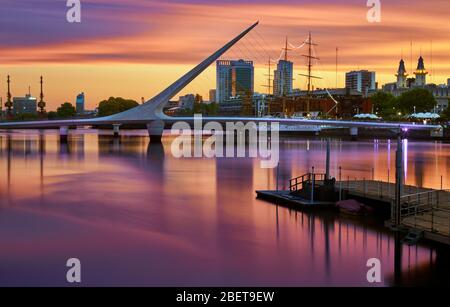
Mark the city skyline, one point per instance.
(135, 53)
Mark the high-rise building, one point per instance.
(24, 105)
(421, 73)
(186, 101)
(80, 104)
(212, 95)
(362, 81)
(401, 75)
(234, 78)
(283, 78)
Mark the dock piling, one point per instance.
(398, 178)
(312, 184)
(278, 167)
(327, 172)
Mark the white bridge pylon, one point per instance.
(153, 109)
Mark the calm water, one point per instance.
(134, 215)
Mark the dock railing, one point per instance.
(298, 183)
(428, 211)
(422, 208)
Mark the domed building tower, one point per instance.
(401, 75)
(421, 73)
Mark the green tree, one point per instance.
(115, 105)
(384, 104)
(66, 110)
(52, 115)
(212, 109)
(445, 115)
(25, 117)
(419, 99)
(198, 107)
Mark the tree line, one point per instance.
(417, 100)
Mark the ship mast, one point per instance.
(269, 84)
(309, 76)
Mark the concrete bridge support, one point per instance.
(63, 134)
(354, 133)
(116, 129)
(155, 131)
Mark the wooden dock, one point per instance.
(285, 199)
(423, 210)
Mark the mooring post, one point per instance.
(340, 183)
(312, 184)
(398, 179)
(389, 183)
(327, 172)
(278, 166)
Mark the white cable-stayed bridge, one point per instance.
(151, 112)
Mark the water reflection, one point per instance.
(128, 204)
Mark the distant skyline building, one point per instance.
(283, 78)
(362, 81)
(80, 103)
(24, 105)
(234, 78)
(186, 101)
(212, 95)
(440, 92)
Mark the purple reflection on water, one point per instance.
(134, 215)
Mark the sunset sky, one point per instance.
(135, 48)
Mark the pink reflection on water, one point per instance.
(157, 220)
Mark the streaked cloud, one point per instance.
(182, 32)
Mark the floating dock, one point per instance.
(424, 211)
(286, 199)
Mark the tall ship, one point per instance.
(283, 102)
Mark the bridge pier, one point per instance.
(354, 133)
(63, 134)
(116, 129)
(155, 131)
